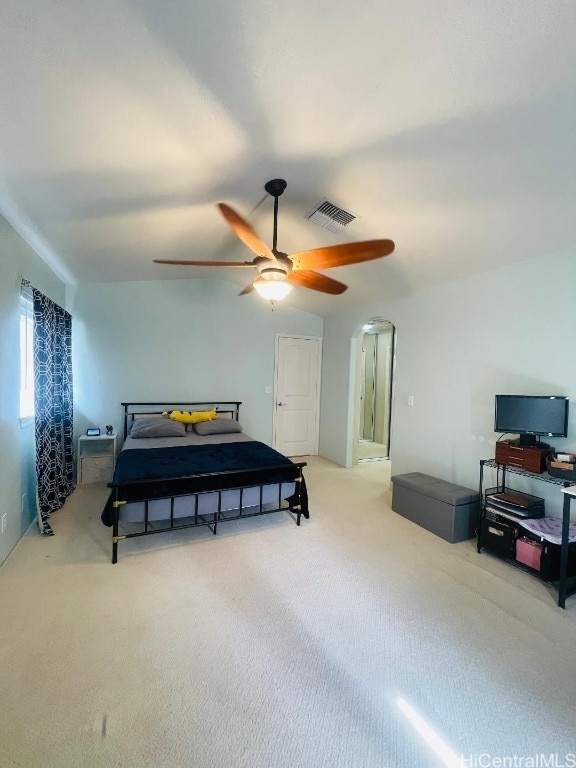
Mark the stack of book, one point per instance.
(515, 505)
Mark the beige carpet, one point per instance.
(333, 645)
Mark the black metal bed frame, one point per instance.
(195, 485)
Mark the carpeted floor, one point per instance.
(355, 641)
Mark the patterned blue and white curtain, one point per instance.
(52, 406)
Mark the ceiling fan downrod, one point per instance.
(275, 187)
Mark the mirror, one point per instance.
(377, 349)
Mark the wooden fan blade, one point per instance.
(249, 288)
(245, 232)
(317, 282)
(206, 263)
(342, 255)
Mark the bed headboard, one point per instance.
(230, 409)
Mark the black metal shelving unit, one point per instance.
(565, 585)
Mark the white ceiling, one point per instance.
(446, 126)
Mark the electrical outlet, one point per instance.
(267, 390)
(4, 521)
(410, 399)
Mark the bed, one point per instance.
(171, 475)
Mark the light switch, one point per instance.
(267, 390)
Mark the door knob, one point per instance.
(280, 403)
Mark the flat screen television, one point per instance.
(531, 416)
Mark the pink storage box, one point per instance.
(529, 552)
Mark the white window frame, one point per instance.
(26, 357)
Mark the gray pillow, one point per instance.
(157, 428)
(217, 427)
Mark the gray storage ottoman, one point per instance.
(448, 510)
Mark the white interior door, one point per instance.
(297, 395)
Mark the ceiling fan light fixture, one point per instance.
(273, 273)
(272, 290)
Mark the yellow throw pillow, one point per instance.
(193, 417)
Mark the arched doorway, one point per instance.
(374, 384)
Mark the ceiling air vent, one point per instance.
(330, 216)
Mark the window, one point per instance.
(26, 355)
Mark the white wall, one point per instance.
(17, 495)
(508, 331)
(173, 340)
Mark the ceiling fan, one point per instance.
(277, 270)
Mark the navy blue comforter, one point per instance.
(148, 473)
(184, 460)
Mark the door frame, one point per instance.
(309, 337)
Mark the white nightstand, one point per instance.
(96, 458)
